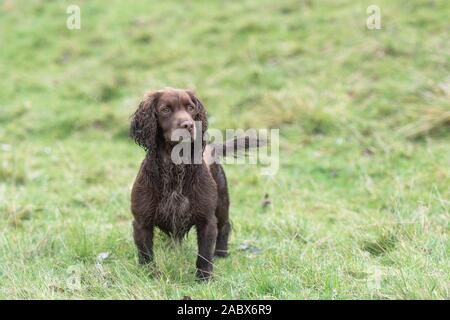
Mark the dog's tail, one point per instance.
(236, 147)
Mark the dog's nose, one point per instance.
(188, 125)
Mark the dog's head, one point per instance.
(163, 112)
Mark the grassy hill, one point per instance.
(359, 207)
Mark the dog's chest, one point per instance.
(174, 214)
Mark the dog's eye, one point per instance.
(190, 108)
(165, 110)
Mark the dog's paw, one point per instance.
(203, 275)
(221, 253)
(145, 260)
(156, 274)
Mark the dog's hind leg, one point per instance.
(222, 240)
(223, 226)
(223, 223)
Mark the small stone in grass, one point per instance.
(246, 246)
(102, 256)
(266, 202)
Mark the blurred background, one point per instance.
(358, 209)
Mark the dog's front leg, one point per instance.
(143, 238)
(206, 238)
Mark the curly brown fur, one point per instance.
(175, 197)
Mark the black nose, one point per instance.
(188, 125)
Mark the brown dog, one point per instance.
(175, 197)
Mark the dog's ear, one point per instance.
(144, 124)
(201, 114)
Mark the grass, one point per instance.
(359, 208)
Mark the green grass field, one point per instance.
(359, 208)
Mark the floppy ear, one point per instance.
(144, 126)
(200, 116)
